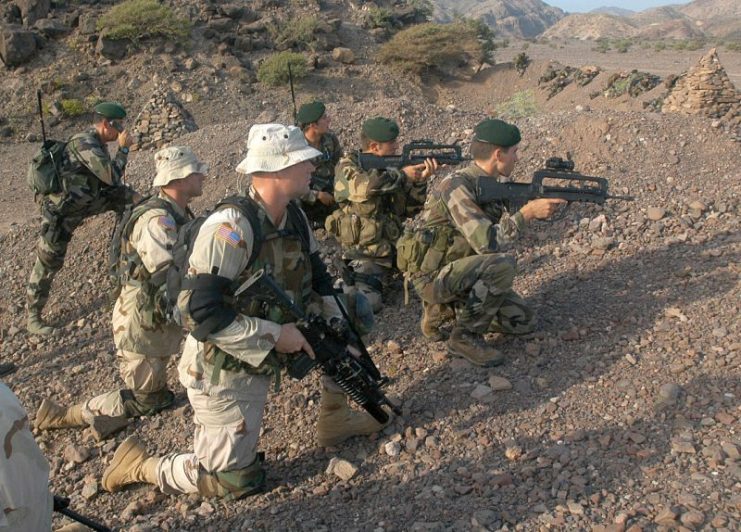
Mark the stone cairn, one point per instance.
(706, 90)
(162, 120)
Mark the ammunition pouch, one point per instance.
(427, 250)
(352, 229)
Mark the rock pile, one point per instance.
(706, 90)
(162, 120)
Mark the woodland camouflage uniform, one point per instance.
(322, 178)
(93, 186)
(373, 206)
(457, 248)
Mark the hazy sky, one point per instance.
(576, 6)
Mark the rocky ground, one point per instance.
(620, 413)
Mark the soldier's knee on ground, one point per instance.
(138, 404)
(359, 308)
(234, 484)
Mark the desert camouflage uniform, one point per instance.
(144, 338)
(468, 271)
(93, 186)
(373, 205)
(322, 178)
(25, 501)
(228, 376)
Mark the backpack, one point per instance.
(120, 269)
(47, 168)
(188, 233)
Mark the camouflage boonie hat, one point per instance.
(110, 110)
(310, 113)
(497, 132)
(381, 129)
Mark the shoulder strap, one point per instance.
(248, 208)
(298, 220)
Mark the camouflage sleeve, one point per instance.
(477, 227)
(118, 197)
(153, 237)
(363, 185)
(336, 150)
(416, 193)
(90, 153)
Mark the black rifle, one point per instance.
(293, 93)
(414, 153)
(557, 180)
(358, 377)
(61, 505)
(41, 115)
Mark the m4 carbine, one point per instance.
(557, 180)
(357, 376)
(414, 153)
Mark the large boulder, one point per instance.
(17, 45)
(51, 28)
(33, 10)
(114, 49)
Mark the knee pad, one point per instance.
(235, 484)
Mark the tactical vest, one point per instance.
(130, 265)
(371, 226)
(285, 254)
(428, 248)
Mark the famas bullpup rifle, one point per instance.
(414, 153)
(557, 180)
(357, 376)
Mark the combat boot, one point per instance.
(473, 347)
(35, 325)
(53, 416)
(131, 463)
(433, 317)
(338, 422)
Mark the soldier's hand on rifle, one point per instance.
(420, 172)
(292, 341)
(125, 139)
(541, 209)
(325, 198)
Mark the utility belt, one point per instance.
(272, 365)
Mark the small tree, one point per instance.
(274, 69)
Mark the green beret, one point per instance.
(310, 112)
(381, 129)
(497, 132)
(110, 110)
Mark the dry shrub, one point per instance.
(432, 47)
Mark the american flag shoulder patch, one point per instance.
(167, 223)
(226, 234)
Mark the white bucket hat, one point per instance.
(273, 147)
(176, 162)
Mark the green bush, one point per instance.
(274, 70)
(622, 45)
(295, 33)
(379, 17)
(522, 104)
(73, 107)
(433, 46)
(733, 46)
(659, 46)
(141, 19)
(603, 45)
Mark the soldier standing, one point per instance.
(314, 121)
(93, 185)
(143, 336)
(456, 252)
(373, 205)
(228, 372)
